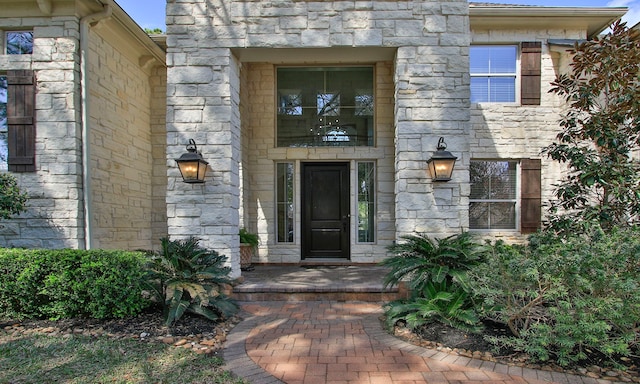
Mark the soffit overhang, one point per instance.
(128, 28)
(592, 20)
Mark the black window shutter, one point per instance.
(21, 99)
(530, 72)
(531, 196)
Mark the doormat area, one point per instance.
(323, 266)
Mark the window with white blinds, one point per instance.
(494, 190)
(493, 70)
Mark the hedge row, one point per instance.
(54, 284)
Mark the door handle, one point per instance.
(345, 222)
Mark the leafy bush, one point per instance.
(12, 201)
(247, 237)
(435, 272)
(564, 296)
(58, 284)
(192, 279)
(599, 134)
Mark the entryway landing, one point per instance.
(315, 282)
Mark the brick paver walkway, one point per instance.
(343, 342)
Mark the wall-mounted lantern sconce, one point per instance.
(191, 164)
(441, 163)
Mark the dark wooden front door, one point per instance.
(325, 210)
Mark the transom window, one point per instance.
(493, 73)
(493, 199)
(325, 106)
(18, 42)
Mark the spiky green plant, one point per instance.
(435, 271)
(420, 260)
(189, 278)
(438, 302)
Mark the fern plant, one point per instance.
(189, 278)
(435, 270)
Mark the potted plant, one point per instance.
(248, 244)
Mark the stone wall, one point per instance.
(432, 101)
(431, 92)
(54, 215)
(122, 138)
(514, 131)
(127, 90)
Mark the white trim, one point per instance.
(5, 39)
(515, 75)
(517, 200)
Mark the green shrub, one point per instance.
(12, 200)
(564, 296)
(247, 237)
(190, 278)
(58, 284)
(435, 271)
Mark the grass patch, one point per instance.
(80, 359)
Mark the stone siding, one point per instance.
(514, 131)
(122, 97)
(54, 217)
(127, 118)
(431, 93)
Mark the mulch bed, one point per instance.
(192, 332)
(452, 340)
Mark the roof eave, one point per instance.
(156, 50)
(594, 20)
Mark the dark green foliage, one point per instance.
(58, 284)
(12, 200)
(190, 278)
(435, 272)
(438, 302)
(247, 237)
(564, 296)
(420, 260)
(154, 31)
(600, 133)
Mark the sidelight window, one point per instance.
(284, 202)
(4, 152)
(366, 202)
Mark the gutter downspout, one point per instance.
(85, 23)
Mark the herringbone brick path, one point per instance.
(343, 342)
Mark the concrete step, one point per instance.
(322, 282)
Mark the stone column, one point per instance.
(203, 105)
(432, 101)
